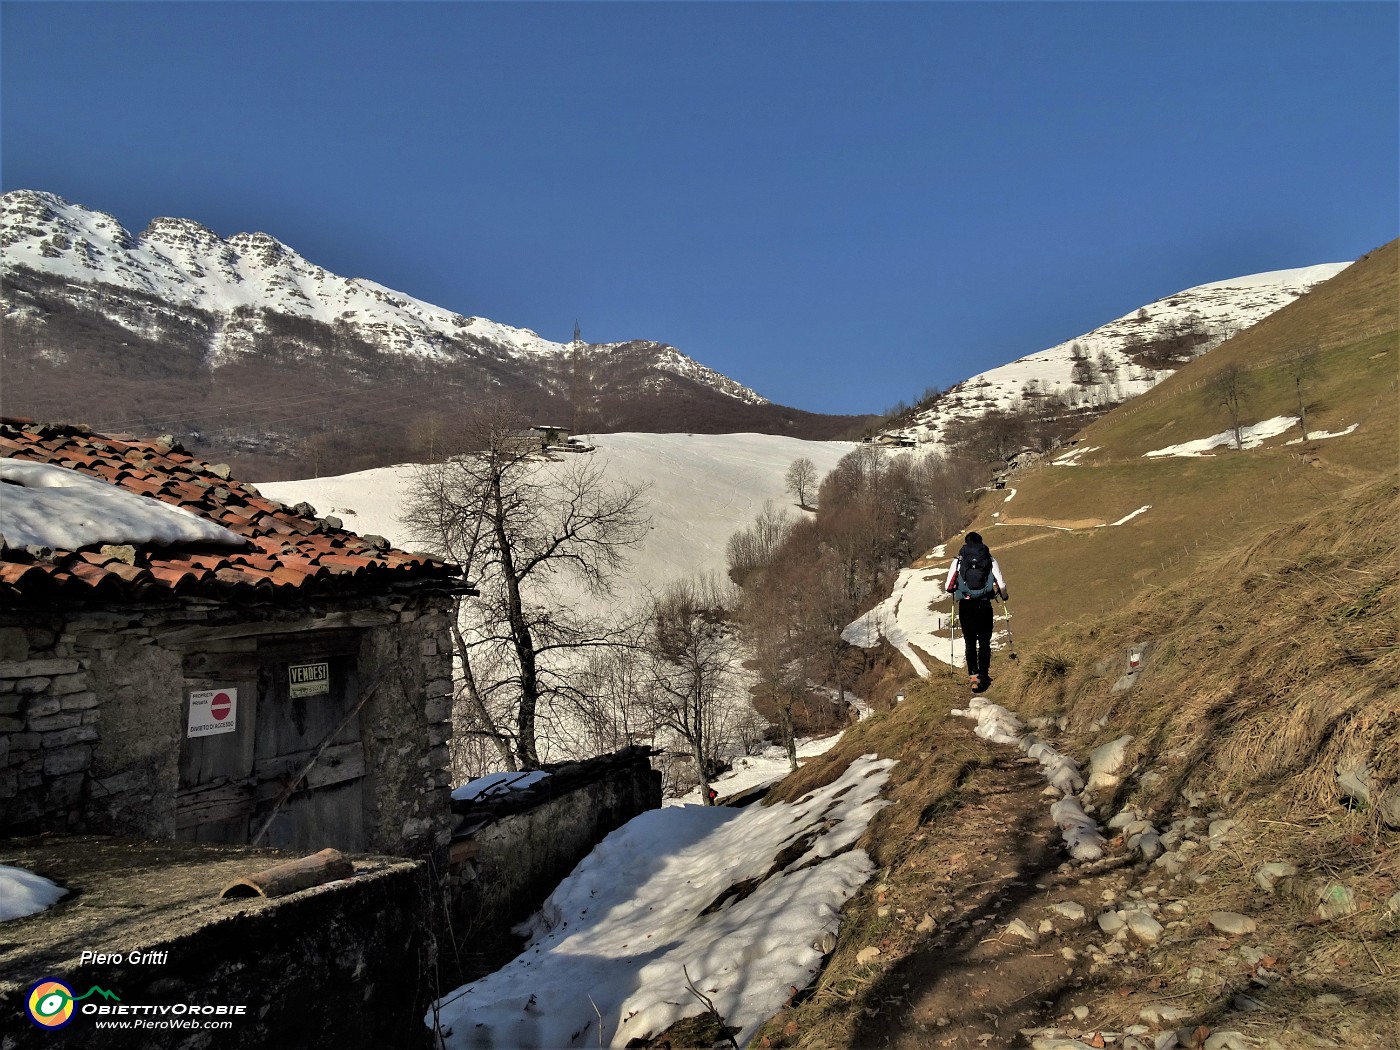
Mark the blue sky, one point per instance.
(838, 204)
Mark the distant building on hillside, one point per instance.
(1022, 458)
(551, 436)
(890, 439)
(205, 663)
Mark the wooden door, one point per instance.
(231, 783)
(216, 795)
(327, 806)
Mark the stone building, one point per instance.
(278, 679)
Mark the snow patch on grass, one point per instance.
(1314, 436)
(1071, 458)
(1250, 437)
(24, 893)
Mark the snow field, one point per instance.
(1251, 437)
(703, 488)
(610, 950)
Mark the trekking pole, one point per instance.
(952, 638)
(1010, 638)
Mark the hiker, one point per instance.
(975, 577)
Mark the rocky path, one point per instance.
(1002, 896)
(983, 933)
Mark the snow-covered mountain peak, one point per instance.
(1126, 356)
(181, 233)
(185, 264)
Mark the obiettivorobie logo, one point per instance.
(50, 1002)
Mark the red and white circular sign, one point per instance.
(220, 706)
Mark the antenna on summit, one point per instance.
(576, 375)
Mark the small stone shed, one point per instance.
(296, 683)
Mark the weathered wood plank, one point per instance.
(330, 621)
(337, 764)
(215, 803)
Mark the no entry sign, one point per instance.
(213, 711)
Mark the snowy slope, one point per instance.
(1217, 310)
(187, 265)
(703, 487)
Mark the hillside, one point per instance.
(701, 488)
(1245, 776)
(1251, 701)
(1113, 363)
(246, 351)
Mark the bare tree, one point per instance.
(801, 479)
(1228, 389)
(518, 527)
(692, 688)
(751, 550)
(1302, 366)
(1108, 374)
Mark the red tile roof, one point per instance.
(290, 555)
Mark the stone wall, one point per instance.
(93, 702)
(511, 852)
(48, 726)
(347, 965)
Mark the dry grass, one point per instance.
(936, 758)
(1268, 584)
(1202, 506)
(1271, 662)
(1271, 666)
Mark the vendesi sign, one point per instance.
(213, 711)
(309, 679)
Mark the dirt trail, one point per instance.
(1068, 524)
(973, 983)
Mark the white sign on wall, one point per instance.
(213, 711)
(309, 679)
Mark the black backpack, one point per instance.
(975, 571)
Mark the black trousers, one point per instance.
(975, 617)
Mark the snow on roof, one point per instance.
(615, 942)
(496, 784)
(45, 505)
(24, 893)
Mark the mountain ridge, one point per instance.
(184, 262)
(1118, 360)
(245, 351)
